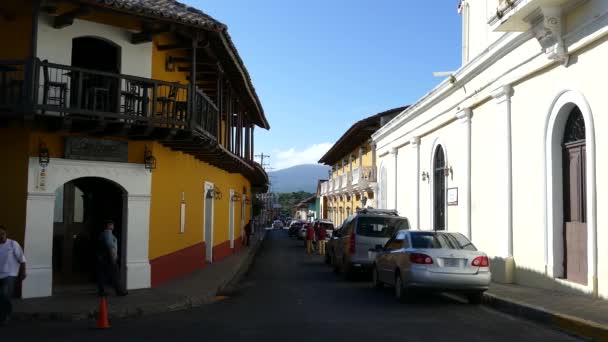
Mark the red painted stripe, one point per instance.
(221, 251)
(177, 264)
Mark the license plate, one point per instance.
(449, 262)
(371, 255)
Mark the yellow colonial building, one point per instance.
(139, 112)
(353, 178)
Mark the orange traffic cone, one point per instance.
(102, 315)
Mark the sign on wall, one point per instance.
(83, 148)
(452, 196)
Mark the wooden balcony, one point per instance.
(62, 97)
(97, 99)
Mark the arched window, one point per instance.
(439, 189)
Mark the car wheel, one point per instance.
(376, 279)
(475, 298)
(400, 290)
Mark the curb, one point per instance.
(568, 324)
(143, 310)
(230, 286)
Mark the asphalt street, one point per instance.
(291, 296)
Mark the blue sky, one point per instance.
(319, 66)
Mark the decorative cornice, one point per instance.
(549, 34)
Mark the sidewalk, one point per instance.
(575, 314)
(198, 288)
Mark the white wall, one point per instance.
(515, 59)
(56, 44)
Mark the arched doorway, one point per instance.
(574, 198)
(81, 207)
(95, 54)
(439, 189)
(98, 92)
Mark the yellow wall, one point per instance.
(179, 172)
(13, 180)
(16, 32)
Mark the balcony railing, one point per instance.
(42, 88)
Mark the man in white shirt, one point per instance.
(12, 269)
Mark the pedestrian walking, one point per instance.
(107, 261)
(248, 233)
(322, 235)
(310, 238)
(12, 270)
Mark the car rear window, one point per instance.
(327, 225)
(430, 240)
(381, 226)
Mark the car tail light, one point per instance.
(481, 261)
(419, 258)
(352, 242)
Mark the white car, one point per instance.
(277, 224)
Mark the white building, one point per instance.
(507, 150)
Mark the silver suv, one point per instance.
(353, 245)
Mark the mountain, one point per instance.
(298, 178)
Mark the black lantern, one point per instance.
(43, 155)
(149, 159)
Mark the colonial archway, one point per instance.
(132, 179)
(571, 230)
(81, 207)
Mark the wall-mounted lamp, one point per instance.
(149, 159)
(425, 176)
(246, 200)
(169, 64)
(43, 155)
(214, 193)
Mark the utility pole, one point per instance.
(262, 157)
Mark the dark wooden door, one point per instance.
(439, 190)
(575, 220)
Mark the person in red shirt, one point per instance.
(310, 238)
(322, 234)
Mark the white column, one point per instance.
(395, 154)
(504, 199)
(138, 237)
(465, 118)
(38, 245)
(415, 143)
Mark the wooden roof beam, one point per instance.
(148, 33)
(67, 19)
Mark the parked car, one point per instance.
(329, 248)
(294, 228)
(277, 224)
(302, 231)
(441, 261)
(327, 225)
(368, 228)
